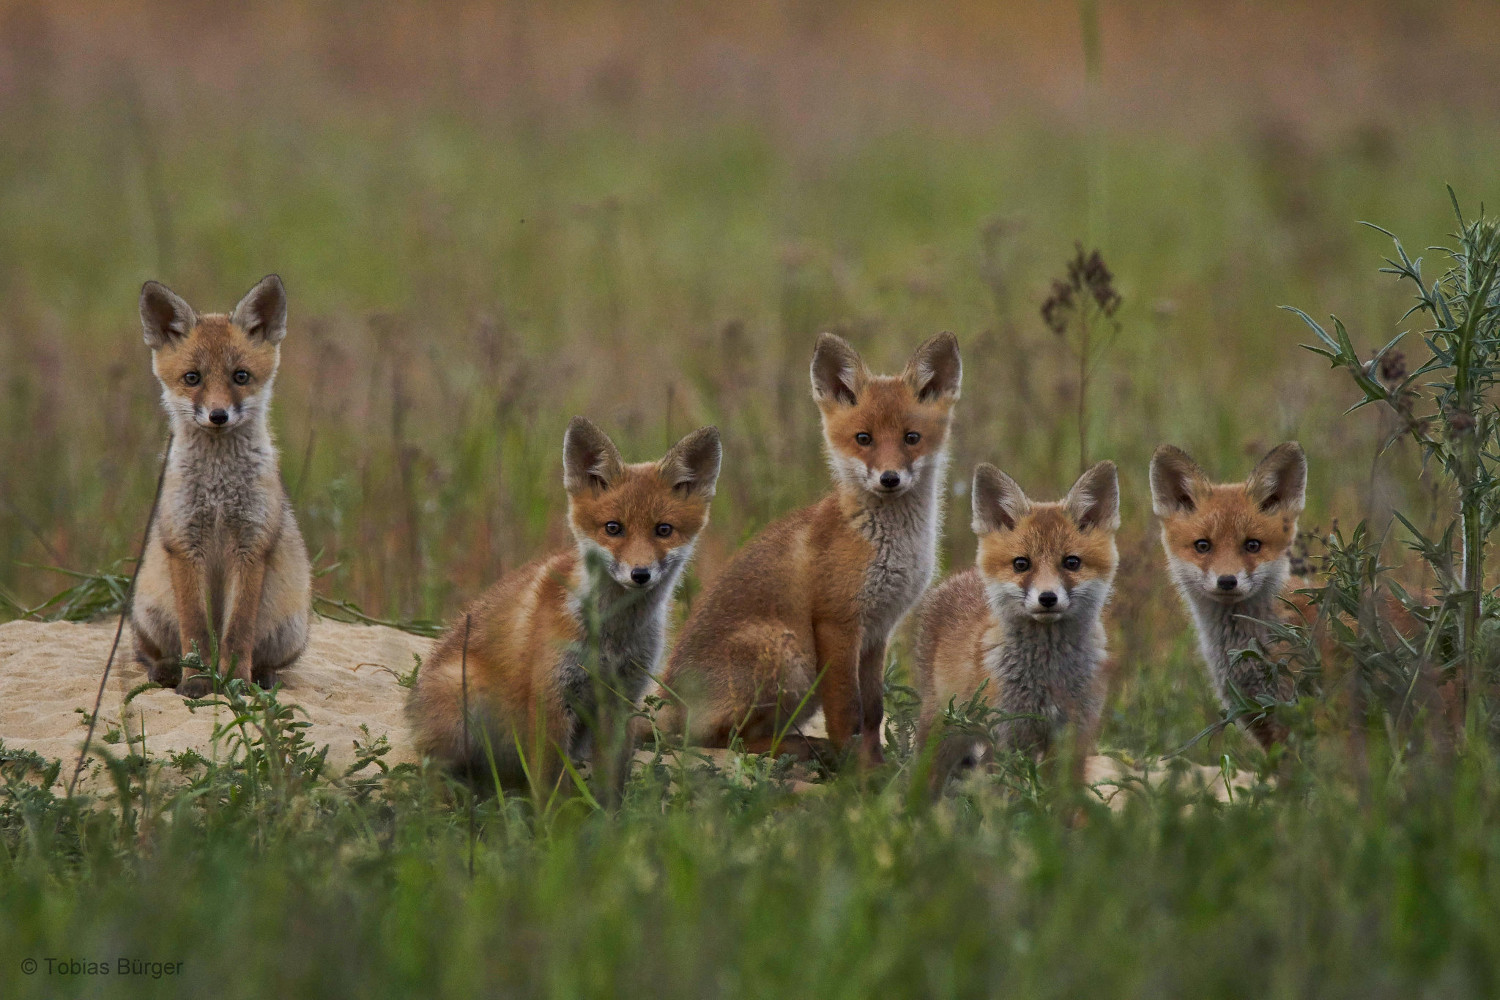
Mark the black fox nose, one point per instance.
(1046, 598)
(1228, 582)
(640, 576)
(219, 417)
(890, 480)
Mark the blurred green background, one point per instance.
(491, 217)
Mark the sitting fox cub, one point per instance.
(1022, 628)
(1228, 551)
(223, 554)
(529, 691)
(817, 593)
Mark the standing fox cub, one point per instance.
(529, 692)
(223, 555)
(1023, 628)
(1228, 549)
(819, 591)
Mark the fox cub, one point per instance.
(529, 693)
(223, 554)
(819, 591)
(1228, 550)
(1022, 628)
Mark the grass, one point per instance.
(262, 871)
(651, 230)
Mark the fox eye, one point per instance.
(664, 530)
(1072, 563)
(912, 437)
(192, 378)
(1021, 564)
(241, 377)
(614, 528)
(1252, 545)
(1203, 545)
(864, 438)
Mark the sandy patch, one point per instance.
(49, 675)
(50, 670)
(1114, 781)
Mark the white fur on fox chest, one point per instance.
(1225, 628)
(1037, 668)
(632, 626)
(903, 531)
(222, 492)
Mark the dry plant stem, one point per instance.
(1083, 394)
(114, 646)
(1467, 390)
(406, 456)
(156, 187)
(1088, 15)
(1473, 582)
(463, 673)
(1086, 291)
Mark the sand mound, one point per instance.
(49, 676)
(1115, 781)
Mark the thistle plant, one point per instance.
(1081, 310)
(1445, 407)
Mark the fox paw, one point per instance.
(196, 686)
(167, 674)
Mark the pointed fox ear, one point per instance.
(262, 312)
(1279, 482)
(591, 462)
(1094, 501)
(693, 463)
(935, 370)
(838, 374)
(165, 315)
(999, 504)
(1177, 483)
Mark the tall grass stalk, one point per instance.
(1082, 305)
(114, 646)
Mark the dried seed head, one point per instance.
(1088, 279)
(1309, 553)
(1058, 307)
(1459, 421)
(1392, 368)
(1099, 281)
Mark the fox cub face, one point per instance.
(215, 370)
(1048, 562)
(1228, 543)
(642, 519)
(884, 432)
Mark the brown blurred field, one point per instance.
(490, 217)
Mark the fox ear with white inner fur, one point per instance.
(1177, 483)
(1094, 501)
(935, 370)
(591, 462)
(262, 312)
(1279, 482)
(838, 374)
(693, 463)
(999, 503)
(165, 315)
